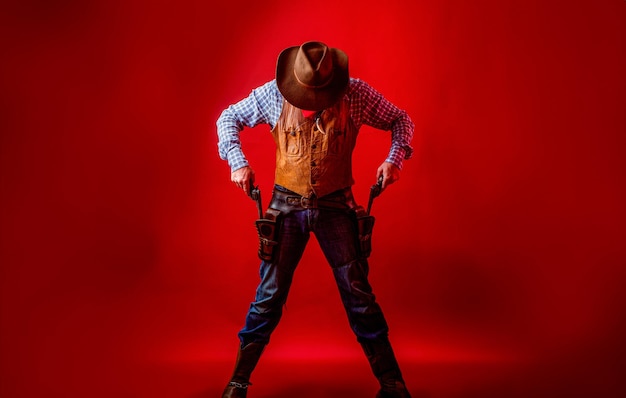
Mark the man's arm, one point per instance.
(262, 106)
(380, 113)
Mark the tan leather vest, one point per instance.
(314, 155)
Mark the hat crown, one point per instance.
(313, 66)
(312, 76)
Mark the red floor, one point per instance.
(154, 345)
(341, 380)
(425, 379)
(344, 376)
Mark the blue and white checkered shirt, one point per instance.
(264, 105)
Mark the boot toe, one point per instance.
(393, 389)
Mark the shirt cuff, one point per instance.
(236, 160)
(396, 156)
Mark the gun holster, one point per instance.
(365, 225)
(267, 229)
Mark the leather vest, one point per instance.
(314, 154)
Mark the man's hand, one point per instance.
(389, 172)
(243, 178)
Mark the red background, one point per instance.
(128, 259)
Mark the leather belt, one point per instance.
(291, 201)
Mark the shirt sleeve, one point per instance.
(262, 106)
(376, 111)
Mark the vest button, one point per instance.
(313, 146)
(313, 164)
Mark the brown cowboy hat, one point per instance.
(313, 76)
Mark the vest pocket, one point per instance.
(293, 144)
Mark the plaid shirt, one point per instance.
(264, 105)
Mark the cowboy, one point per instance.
(315, 110)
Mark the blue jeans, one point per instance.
(336, 233)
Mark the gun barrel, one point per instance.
(259, 203)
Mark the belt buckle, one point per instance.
(308, 202)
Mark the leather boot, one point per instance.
(247, 358)
(385, 367)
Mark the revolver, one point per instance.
(374, 192)
(255, 194)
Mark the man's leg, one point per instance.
(271, 294)
(337, 235)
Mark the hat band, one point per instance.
(330, 79)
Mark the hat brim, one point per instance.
(311, 99)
